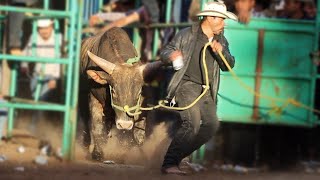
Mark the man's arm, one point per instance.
(172, 50)
(226, 53)
(244, 8)
(24, 66)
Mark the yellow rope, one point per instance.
(206, 88)
(276, 109)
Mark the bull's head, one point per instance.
(125, 81)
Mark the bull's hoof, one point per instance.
(97, 156)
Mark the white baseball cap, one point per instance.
(44, 23)
(217, 9)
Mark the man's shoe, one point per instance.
(173, 170)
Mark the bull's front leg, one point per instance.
(100, 128)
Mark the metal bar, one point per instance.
(275, 76)
(314, 68)
(48, 107)
(34, 59)
(34, 53)
(202, 4)
(34, 38)
(136, 39)
(2, 17)
(67, 126)
(53, 13)
(155, 43)
(12, 93)
(307, 28)
(74, 104)
(57, 39)
(100, 5)
(1, 34)
(267, 122)
(168, 11)
(257, 86)
(46, 4)
(5, 66)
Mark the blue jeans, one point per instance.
(46, 94)
(199, 123)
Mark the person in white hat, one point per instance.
(46, 74)
(198, 123)
(45, 28)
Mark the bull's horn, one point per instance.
(102, 63)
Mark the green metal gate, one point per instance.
(72, 18)
(273, 59)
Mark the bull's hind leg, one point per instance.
(99, 128)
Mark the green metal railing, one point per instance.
(2, 18)
(72, 17)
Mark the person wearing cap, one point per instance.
(45, 74)
(198, 123)
(45, 47)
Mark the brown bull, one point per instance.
(109, 81)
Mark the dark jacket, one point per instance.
(185, 41)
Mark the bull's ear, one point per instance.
(96, 77)
(150, 70)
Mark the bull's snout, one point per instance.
(127, 125)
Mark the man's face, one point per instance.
(310, 9)
(216, 24)
(291, 6)
(45, 32)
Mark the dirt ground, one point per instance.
(22, 166)
(17, 160)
